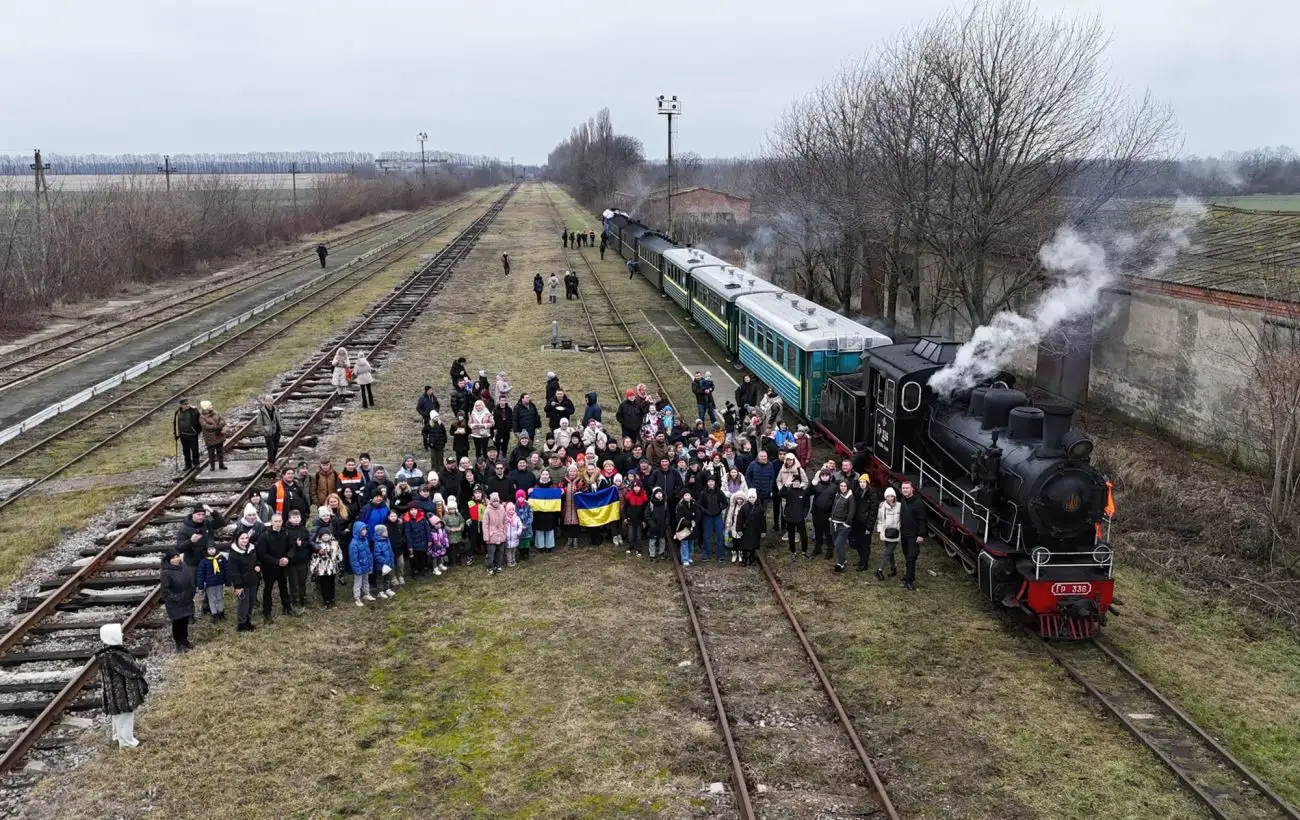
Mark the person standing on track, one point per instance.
(554, 285)
(339, 376)
(214, 435)
(365, 380)
(186, 429)
(123, 686)
(322, 252)
(268, 417)
(602, 247)
(178, 589)
(564, 236)
(538, 286)
(505, 263)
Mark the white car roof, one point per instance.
(718, 275)
(808, 324)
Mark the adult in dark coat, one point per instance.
(558, 407)
(747, 393)
(630, 416)
(822, 495)
(186, 430)
(427, 403)
(178, 592)
(195, 534)
(498, 482)
(866, 504)
(527, 418)
(458, 372)
(755, 526)
(503, 419)
(123, 687)
(243, 576)
(794, 513)
(591, 411)
(552, 385)
(913, 527)
(273, 557)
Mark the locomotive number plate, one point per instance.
(1071, 589)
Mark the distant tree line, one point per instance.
(262, 162)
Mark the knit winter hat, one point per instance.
(205, 405)
(889, 493)
(249, 509)
(111, 634)
(520, 495)
(324, 512)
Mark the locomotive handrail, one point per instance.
(967, 501)
(1052, 563)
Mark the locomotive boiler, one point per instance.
(1010, 485)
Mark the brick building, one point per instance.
(698, 204)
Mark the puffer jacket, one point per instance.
(383, 550)
(178, 591)
(592, 410)
(213, 426)
(480, 422)
(360, 557)
(494, 523)
(416, 529)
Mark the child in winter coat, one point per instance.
(634, 510)
(524, 512)
(650, 427)
(454, 523)
(493, 518)
(362, 559)
(435, 440)
(514, 532)
(384, 560)
(438, 544)
(503, 387)
(729, 421)
(325, 567)
(210, 578)
(397, 542)
(657, 524)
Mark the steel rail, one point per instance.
(1212, 804)
(374, 266)
(240, 287)
(455, 251)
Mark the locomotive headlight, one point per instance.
(1040, 556)
(1081, 450)
(1103, 554)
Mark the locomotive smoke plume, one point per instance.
(1083, 270)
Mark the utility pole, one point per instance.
(40, 168)
(671, 108)
(512, 169)
(293, 174)
(421, 138)
(166, 168)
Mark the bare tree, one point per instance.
(594, 159)
(958, 148)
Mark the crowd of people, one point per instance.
(517, 480)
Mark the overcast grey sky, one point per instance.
(511, 77)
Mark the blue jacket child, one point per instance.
(382, 547)
(359, 554)
(211, 571)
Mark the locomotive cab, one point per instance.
(1010, 487)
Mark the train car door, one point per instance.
(884, 442)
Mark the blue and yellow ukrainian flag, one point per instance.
(597, 508)
(546, 499)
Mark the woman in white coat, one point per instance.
(889, 526)
(339, 378)
(364, 378)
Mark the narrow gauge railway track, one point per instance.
(136, 404)
(739, 773)
(50, 648)
(53, 352)
(1228, 790)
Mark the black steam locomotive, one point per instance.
(1011, 489)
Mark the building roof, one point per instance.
(808, 324)
(662, 193)
(718, 275)
(1233, 250)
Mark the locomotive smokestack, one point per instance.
(1056, 423)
